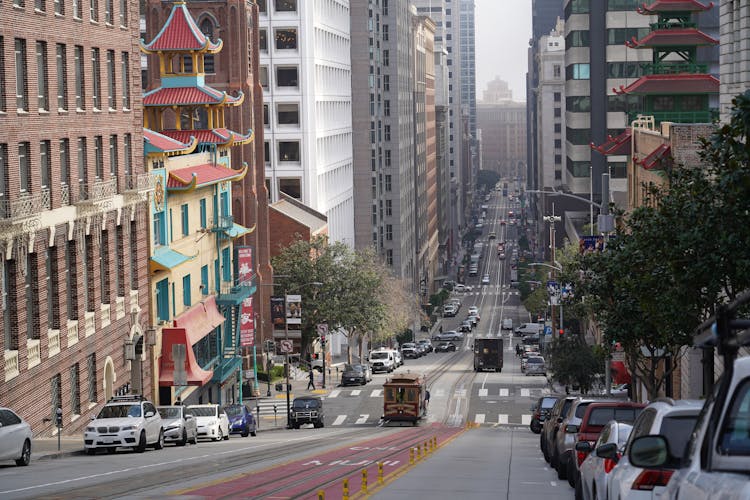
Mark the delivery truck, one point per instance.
(488, 354)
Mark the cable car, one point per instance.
(404, 398)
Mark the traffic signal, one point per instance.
(561, 332)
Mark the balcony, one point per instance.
(11, 365)
(96, 192)
(673, 68)
(33, 352)
(703, 116)
(672, 25)
(224, 223)
(138, 184)
(232, 294)
(23, 210)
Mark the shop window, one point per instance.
(289, 151)
(286, 76)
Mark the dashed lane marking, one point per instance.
(339, 420)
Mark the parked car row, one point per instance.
(134, 422)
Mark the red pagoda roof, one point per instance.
(673, 6)
(656, 158)
(202, 175)
(165, 96)
(674, 37)
(220, 136)
(675, 84)
(159, 143)
(180, 33)
(619, 145)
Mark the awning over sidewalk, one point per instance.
(165, 259)
(195, 374)
(200, 320)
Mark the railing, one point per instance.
(27, 205)
(65, 195)
(672, 25)
(672, 68)
(46, 199)
(707, 116)
(90, 323)
(33, 352)
(139, 183)
(96, 191)
(225, 222)
(53, 342)
(120, 307)
(72, 332)
(11, 365)
(234, 293)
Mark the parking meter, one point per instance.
(58, 422)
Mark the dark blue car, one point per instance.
(241, 420)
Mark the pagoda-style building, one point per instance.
(675, 87)
(201, 284)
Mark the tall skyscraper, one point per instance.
(305, 70)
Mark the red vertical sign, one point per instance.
(244, 277)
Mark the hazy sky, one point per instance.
(503, 30)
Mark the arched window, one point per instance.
(207, 28)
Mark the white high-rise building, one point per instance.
(305, 69)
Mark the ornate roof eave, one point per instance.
(674, 79)
(193, 184)
(615, 145)
(197, 94)
(187, 185)
(661, 156)
(179, 147)
(701, 39)
(673, 6)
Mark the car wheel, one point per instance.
(159, 444)
(141, 447)
(183, 441)
(245, 432)
(219, 436)
(553, 460)
(535, 427)
(562, 470)
(25, 457)
(91, 451)
(571, 474)
(579, 489)
(544, 448)
(195, 438)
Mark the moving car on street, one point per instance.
(306, 410)
(445, 347)
(356, 374)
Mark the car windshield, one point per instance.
(120, 411)
(170, 412)
(233, 410)
(204, 411)
(581, 409)
(548, 402)
(600, 416)
(533, 361)
(379, 355)
(354, 368)
(306, 403)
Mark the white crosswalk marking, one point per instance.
(502, 418)
(482, 393)
(440, 393)
(362, 419)
(356, 392)
(525, 393)
(479, 418)
(376, 393)
(525, 419)
(334, 393)
(503, 393)
(339, 420)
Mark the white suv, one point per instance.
(125, 421)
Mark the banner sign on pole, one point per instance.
(278, 313)
(247, 323)
(294, 309)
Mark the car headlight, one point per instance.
(129, 427)
(90, 429)
(172, 427)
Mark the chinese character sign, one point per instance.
(244, 264)
(247, 323)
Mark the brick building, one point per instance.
(73, 214)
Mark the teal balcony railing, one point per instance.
(673, 68)
(706, 116)
(223, 223)
(672, 25)
(232, 294)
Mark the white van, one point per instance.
(507, 324)
(529, 329)
(382, 361)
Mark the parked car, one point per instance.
(15, 437)
(473, 310)
(241, 420)
(449, 310)
(535, 365)
(540, 409)
(473, 319)
(466, 326)
(594, 419)
(602, 458)
(426, 345)
(383, 360)
(445, 347)
(356, 374)
(551, 425)
(410, 351)
(212, 421)
(528, 329)
(450, 335)
(306, 410)
(125, 421)
(180, 426)
(563, 445)
(398, 359)
(459, 288)
(674, 420)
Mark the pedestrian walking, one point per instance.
(426, 399)
(312, 380)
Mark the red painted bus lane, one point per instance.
(327, 471)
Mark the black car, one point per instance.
(410, 352)
(306, 410)
(445, 347)
(540, 410)
(356, 374)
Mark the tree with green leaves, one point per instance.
(573, 362)
(685, 250)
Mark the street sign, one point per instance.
(285, 346)
(322, 331)
(548, 330)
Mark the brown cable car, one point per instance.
(404, 398)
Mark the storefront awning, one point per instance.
(195, 374)
(166, 259)
(200, 320)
